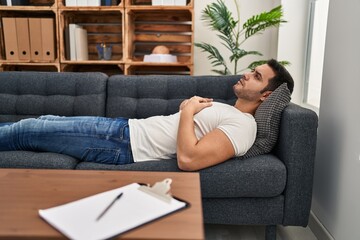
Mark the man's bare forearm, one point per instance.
(186, 138)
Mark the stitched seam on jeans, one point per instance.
(89, 150)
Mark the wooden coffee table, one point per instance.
(23, 192)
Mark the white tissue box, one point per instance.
(167, 58)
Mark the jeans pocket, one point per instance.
(101, 155)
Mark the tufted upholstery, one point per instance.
(139, 99)
(30, 94)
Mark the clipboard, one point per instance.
(139, 204)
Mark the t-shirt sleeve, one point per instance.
(241, 134)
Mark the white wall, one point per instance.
(316, 53)
(336, 196)
(292, 42)
(265, 43)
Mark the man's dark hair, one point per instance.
(281, 76)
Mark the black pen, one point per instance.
(108, 207)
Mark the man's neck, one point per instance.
(246, 107)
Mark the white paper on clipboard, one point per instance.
(138, 205)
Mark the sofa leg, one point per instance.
(270, 232)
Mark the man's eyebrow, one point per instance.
(257, 72)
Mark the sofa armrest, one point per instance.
(296, 147)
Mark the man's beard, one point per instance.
(247, 95)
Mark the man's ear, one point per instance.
(265, 95)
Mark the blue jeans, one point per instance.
(91, 139)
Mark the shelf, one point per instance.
(13, 66)
(34, 5)
(109, 69)
(132, 27)
(27, 8)
(148, 3)
(62, 5)
(17, 12)
(30, 63)
(158, 69)
(173, 64)
(101, 28)
(158, 8)
(99, 8)
(93, 62)
(150, 28)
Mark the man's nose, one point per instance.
(246, 76)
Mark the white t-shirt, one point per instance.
(155, 137)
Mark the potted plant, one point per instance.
(220, 19)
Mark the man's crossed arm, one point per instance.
(193, 154)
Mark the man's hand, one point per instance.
(195, 104)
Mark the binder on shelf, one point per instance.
(67, 43)
(36, 52)
(77, 43)
(113, 212)
(10, 38)
(81, 2)
(48, 39)
(14, 2)
(23, 38)
(168, 2)
(180, 2)
(93, 3)
(72, 41)
(106, 2)
(70, 3)
(81, 43)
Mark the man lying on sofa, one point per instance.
(202, 134)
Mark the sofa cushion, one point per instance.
(30, 94)
(145, 96)
(37, 160)
(261, 176)
(267, 117)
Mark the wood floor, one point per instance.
(232, 232)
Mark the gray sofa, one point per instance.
(270, 189)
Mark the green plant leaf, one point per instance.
(285, 63)
(262, 21)
(219, 18)
(228, 42)
(214, 55)
(243, 53)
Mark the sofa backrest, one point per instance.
(30, 94)
(145, 96)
